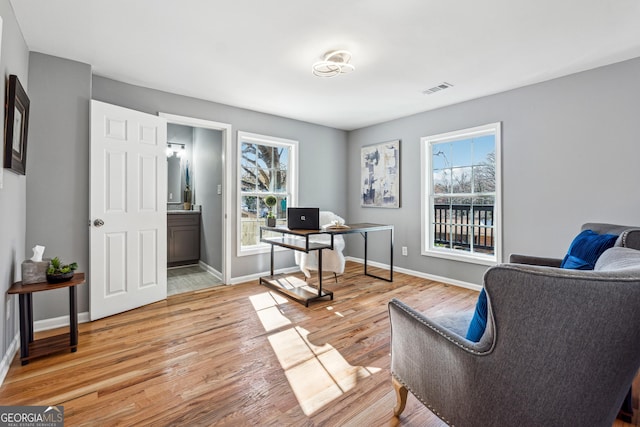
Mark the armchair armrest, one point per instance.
(434, 363)
(534, 260)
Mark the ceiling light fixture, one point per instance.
(335, 62)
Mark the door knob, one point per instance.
(98, 222)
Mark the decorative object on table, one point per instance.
(380, 175)
(270, 201)
(38, 251)
(336, 224)
(34, 270)
(187, 190)
(16, 126)
(58, 272)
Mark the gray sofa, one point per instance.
(561, 346)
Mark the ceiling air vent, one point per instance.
(441, 86)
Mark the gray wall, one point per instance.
(208, 175)
(14, 59)
(570, 153)
(323, 160)
(58, 175)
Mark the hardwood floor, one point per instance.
(238, 355)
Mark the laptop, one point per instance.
(303, 218)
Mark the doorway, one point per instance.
(209, 186)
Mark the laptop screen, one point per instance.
(303, 218)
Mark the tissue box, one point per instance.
(34, 271)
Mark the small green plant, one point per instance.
(56, 267)
(270, 201)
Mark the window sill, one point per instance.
(474, 259)
(263, 248)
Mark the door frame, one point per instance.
(225, 128)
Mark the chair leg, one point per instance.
(335, 276)
(401, 397)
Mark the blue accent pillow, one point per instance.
(583, 253)
(479, 320)
(586, 248)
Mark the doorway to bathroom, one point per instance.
(197, 235)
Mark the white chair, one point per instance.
(332, 260)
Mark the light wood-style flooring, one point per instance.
(238, 355)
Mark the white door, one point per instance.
(128, 209)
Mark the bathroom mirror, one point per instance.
(174, 179)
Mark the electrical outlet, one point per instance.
(219, 188)
(404, 251)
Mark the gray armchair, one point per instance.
(561, 348)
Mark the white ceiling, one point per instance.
(257, 54)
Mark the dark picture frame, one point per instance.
(16, 125)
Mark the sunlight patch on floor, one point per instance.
(317, 374)
(266, 306)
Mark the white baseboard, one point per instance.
(58, 322)
(211, 270)
(420, 274)
(256, 276)
(5, 364)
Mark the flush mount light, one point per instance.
(335, 62)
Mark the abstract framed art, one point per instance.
(380, 175)
(16, 127)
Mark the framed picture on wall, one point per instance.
(16, 127)
(380, 175)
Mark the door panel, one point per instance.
(128, 193)
(115, 263)
(148, 256)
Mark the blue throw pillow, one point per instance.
(586, 248)
(479, 320)
(582, 255)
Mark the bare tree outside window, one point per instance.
(463, 178)
(263, 170)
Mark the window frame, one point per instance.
(427, 196)
(292, 183)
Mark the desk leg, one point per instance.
(73, 319)
(272, 246)
(391, 257)
(320, 273)
(366, 246)
(365, 234)
(24, 328)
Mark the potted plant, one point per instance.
(58, 273)
(271, 201)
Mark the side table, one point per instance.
(29, 348)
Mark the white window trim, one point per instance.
(292, 186)
(426, 215)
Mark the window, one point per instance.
(461, 195)
(266, 166)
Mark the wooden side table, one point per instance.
(29, 348)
